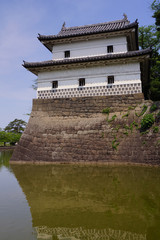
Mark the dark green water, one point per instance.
(78, 202)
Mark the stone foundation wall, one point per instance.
(85, 106)
(75, 130)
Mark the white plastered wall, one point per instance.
(90, 48)
(94, 76)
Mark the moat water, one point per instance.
(78, 202)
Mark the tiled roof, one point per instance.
(31, 65)
(90, 29)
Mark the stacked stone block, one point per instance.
(75, 130)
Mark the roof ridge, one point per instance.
(90, 29)
(92, 25)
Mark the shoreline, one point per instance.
(3, 148)
(82, 163)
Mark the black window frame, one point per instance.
(67, 54)
(110, 79)
(110, 49)
(82, 82)
(55, 84)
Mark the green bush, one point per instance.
(106, 110)
(153, 107)
(9, 137)
(143, 111)
(155, 129)
(157, 117)
(147, 121)
(155, 90)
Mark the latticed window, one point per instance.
(81, 82)
(110, 49)
(110, 79)
(67, 54)
(55, 84)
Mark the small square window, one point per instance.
(55, 84)
(67, 54)
(81, 82)
(110, 49)
(110, 79)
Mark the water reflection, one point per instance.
(72, 202)
(15, 216)
(4, 158)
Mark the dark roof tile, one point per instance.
(90, 29)
(87, 59)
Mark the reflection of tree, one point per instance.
(122, 198)
(5, 157)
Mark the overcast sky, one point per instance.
(20, 23)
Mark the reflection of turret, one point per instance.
(86, 199)
(87, 234)
(153, 232)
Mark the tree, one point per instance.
(13, 137)
(3, 137)
(9, 137)
(155, 6)
(16, 126)
(149, 36)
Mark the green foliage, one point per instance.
(127, 127)
(158, 143)
(135, 124)
(12, 132)
(106, 110)
(131, 108)
(115, 143)
(16, 126)
(117, 128)
(143, 111)
(112, 118)
(149, 37)
(155, 87)
(9, 137)
(131, 127)
(144, 132)
(14, 137)
(126, 133)
(155, 129)
(153, 107)
(3, 137)
(125, 115)
(157, 120)
(156, 9)
(147, 121)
